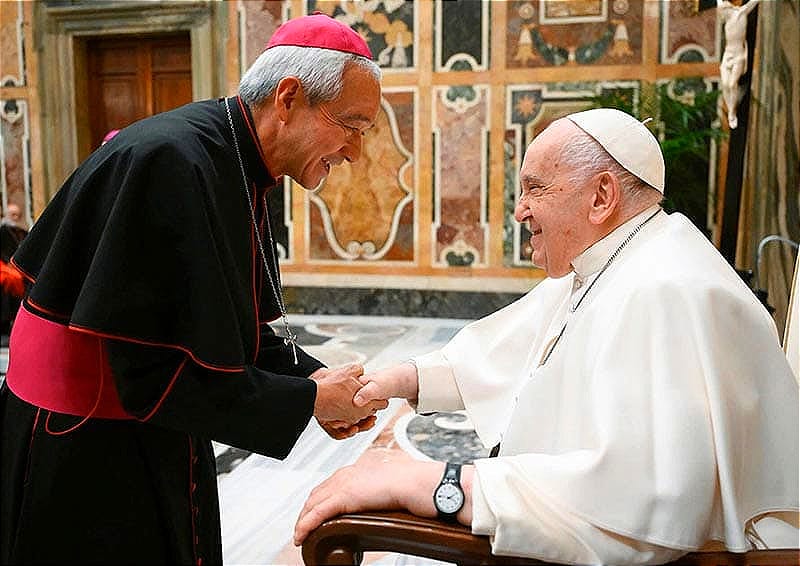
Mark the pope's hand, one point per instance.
(381, 479)
(398, 381)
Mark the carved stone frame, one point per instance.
(60, 35)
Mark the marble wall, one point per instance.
(467, 84)
(15, 116)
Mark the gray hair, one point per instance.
(586, 157)
(318, 70)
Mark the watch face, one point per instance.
(448, 498)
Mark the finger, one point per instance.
(341, 433)
(354, 370)
(315, 516)
(368, 393)
(379, 404)
(367, 423)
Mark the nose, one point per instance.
(352, 147)
(521, 212)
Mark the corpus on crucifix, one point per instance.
(734, 58)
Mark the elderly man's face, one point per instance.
(332, 132)
(553, 208)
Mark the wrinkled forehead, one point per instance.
(359, 100)
(544, 152)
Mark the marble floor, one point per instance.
(261, 497)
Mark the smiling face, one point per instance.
(554, 209)
(321, 136)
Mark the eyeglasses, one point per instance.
(349, 130)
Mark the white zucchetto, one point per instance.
(627, 140)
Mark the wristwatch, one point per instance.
(448, 497)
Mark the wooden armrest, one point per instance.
(344, 539)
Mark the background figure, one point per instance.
(734, 59)
(146, 331)
(637, 400)
(12, 232)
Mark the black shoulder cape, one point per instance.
(150, 240)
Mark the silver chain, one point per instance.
(611, 258)
(277, 290)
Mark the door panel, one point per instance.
(132, 78)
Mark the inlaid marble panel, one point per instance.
(15, 165)
(11, 38)
(388, 26)
(544, 33)
(461, 35)
(529, 110)
(257, 22)
(688, 35)
(365, 210)
(461, 129)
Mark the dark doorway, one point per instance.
(130, 78)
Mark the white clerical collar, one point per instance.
(595, 256)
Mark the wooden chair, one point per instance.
(344, 539)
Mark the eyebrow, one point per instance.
(530, 179)
(357, 118)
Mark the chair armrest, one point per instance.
(344, 539)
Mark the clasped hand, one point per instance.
(334, 406)
(347, 400)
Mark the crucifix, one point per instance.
(735, 73)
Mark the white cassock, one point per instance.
(666, 416)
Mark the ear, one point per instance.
(288, 96)
(605, 199)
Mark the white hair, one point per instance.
(318, 70)
(586, 157)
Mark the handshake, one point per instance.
(347, 400)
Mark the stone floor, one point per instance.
(261, 497)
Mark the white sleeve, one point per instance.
(437, 384)
(537, 527)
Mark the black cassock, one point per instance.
(149, 248)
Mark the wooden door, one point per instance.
(130, 78)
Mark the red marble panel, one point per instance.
(574, 32)
(261, 18)
(688, 35)
(462, 115)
